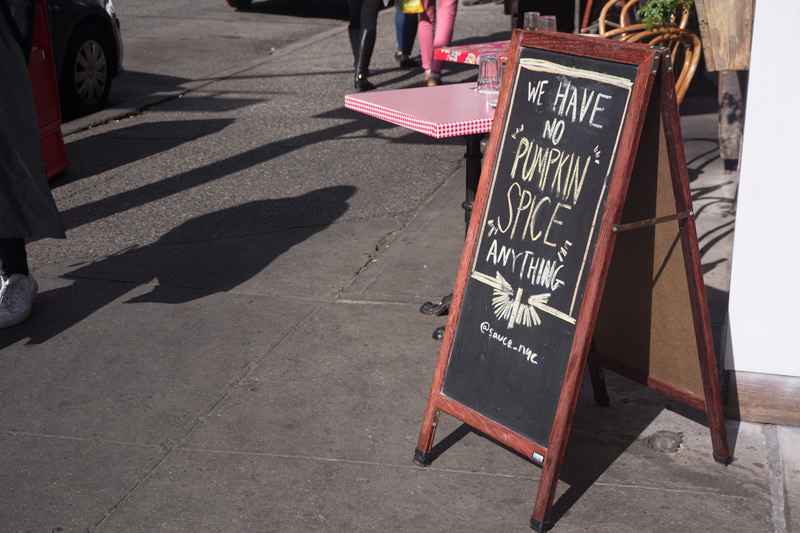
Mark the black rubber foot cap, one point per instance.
(541, 527)
(422, 458)
(728, 459)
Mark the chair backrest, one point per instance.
(604, 21)
(685, 48)
(608, 20)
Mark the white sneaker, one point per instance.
(16, 298)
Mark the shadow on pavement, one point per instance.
(168, 186)
(131, 84)
(208, 254)
(599, 436)
(97, 154)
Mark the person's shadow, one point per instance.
(205, 255)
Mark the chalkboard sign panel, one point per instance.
(554, 162)
(556, 175)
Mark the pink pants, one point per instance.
(439, 14)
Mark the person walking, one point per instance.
(362, 30)
(405, 24)
(27, 208)
(435, 30)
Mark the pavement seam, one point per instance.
(351, 461)
(443, 470)
(390, 237)
(78, 439)
(174, 444)
(352, 301)
(777, 486)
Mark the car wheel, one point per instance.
(240, 3)
(86, 73)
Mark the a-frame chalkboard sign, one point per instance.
(565, 164)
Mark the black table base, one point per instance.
(473, 158)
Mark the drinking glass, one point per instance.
(489, 73)
(548, 23)
(531, 20)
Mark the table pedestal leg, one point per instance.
(473, 158)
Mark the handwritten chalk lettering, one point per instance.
(527, 265)
(570, 103)
(597, 108)
(505, 341)
(553, 130)
(535, 93)
(519, 201)
(554, 220)
(501, 255)
(568, 177)
(541, 272)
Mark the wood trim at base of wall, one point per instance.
(764, 398)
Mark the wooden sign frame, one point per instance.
(654, 70)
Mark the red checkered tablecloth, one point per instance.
(469, 53)
(442, 111)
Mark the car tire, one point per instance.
(86, 73)
(240, 3)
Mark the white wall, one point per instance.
(764, 308)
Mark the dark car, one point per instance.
(87, 50)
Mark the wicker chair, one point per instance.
(685, 48)
(609, 20)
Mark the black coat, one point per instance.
(27, 208)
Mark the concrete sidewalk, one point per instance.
(230, 340)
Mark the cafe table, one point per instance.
(442, 111)
(469, 53)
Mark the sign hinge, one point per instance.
(667, 53)
(656, 59)
(668, 60)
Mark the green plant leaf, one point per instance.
(660, 12)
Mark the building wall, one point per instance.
(764, 308)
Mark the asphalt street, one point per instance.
(174, 42)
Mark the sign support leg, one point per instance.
(422, 455)
(598, 378)
(694, 270)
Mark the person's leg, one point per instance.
(399, 20)
(355, 14)
(445, 20)
(409, 33)
(366, 42)
(17, 286)
(369, 14)
(354, 27)
(405, 25)
(425, 32)
(13, 257)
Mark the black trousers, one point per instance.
(364, 14)
(13, 257)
